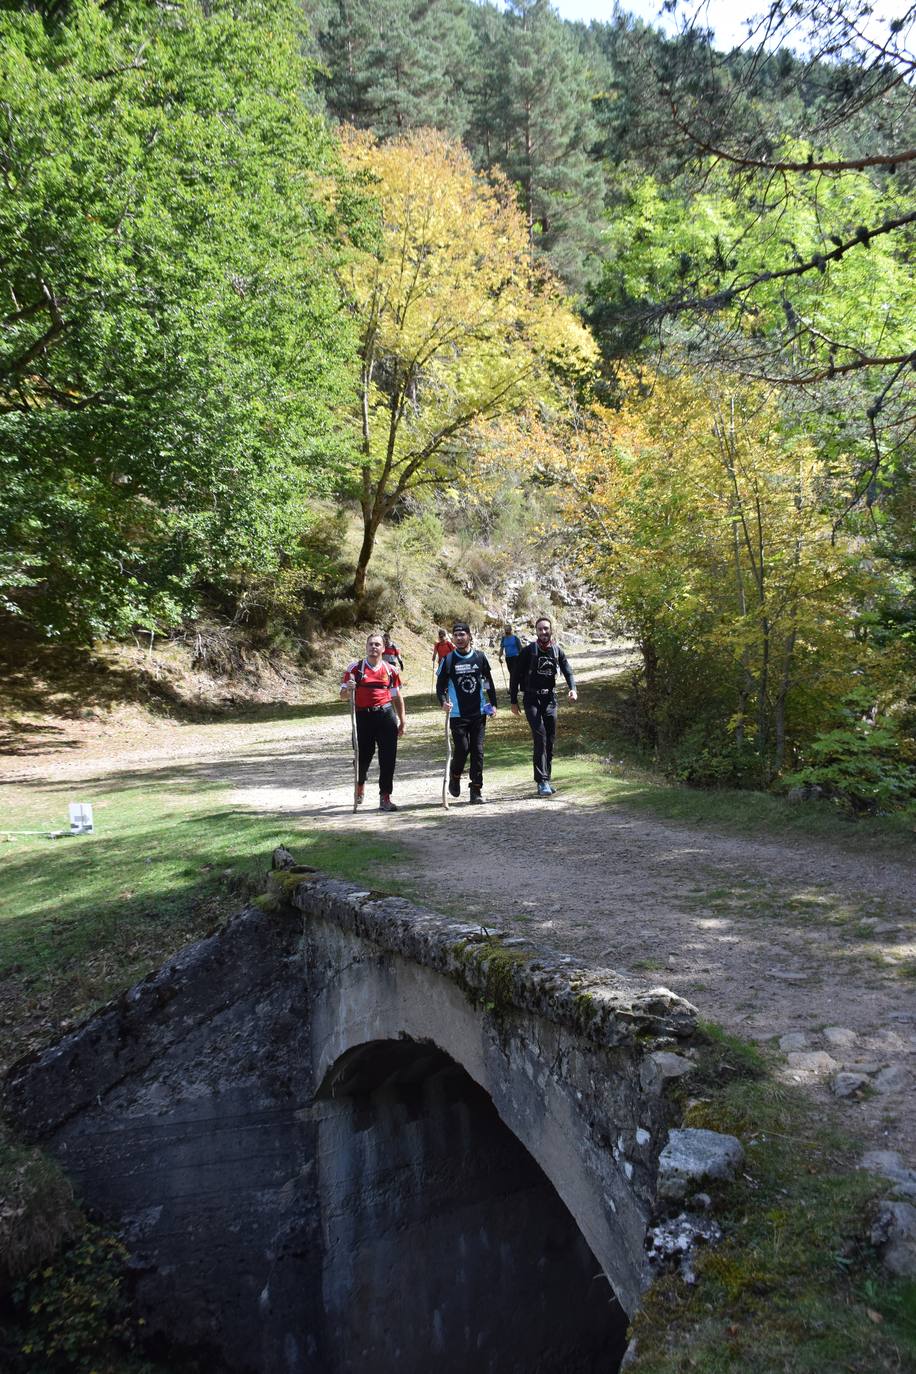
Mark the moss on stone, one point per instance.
(495, 966)
(267, 902)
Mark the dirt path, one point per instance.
(768, 937)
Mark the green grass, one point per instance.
(589, 732)
(794, 1286)
(81, 918)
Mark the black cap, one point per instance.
(461, 625)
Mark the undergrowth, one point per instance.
(795, 1285)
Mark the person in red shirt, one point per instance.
(380, 718)
(391, 653)
(442, 648)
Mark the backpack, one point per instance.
(552, 650)
(356, 671)
(448, 662)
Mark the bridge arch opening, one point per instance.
(446, 1246)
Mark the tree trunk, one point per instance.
(779, 755)
(650, 664)
(370, 530)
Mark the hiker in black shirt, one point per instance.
(465, 689)
(538, 666)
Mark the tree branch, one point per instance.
(901, 360)
(818, 261)
(764, 165)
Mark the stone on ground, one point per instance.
(894, 1232)
(692, 1156)
(813, 1061)
(840, 1037)
(849, 1084)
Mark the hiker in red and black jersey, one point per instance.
(391, 653)
(380, 717)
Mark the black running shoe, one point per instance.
(454, 787)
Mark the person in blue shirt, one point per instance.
(510, 646)
(464, 687)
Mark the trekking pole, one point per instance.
(448, 758)
(355, 743)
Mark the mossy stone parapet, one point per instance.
(606, 1007)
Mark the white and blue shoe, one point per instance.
(545, 789)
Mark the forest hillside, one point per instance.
(509, 297)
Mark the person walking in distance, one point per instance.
(510, 646)
(441, 649)
(380, 718)
(391, 653)
(538, 665)
(466, 693)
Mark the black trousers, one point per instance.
(541, 714)
(467, 738)
(378, 728)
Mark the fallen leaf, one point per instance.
(874, 1316)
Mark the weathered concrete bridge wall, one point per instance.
(348, 1134)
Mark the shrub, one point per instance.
(866, 763)
(704, 757)
(37, 1213)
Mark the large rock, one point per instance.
(812, 1061)
(692, 1157)
(894, 1233)
(889, 1164)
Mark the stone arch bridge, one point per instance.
(347, 1134)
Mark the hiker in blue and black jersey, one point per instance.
(538, 667)
(465, 689)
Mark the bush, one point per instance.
(866, 763)
(702, 759)
(37, 1213)
(74, 1313)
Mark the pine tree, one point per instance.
(532, 116)
(394, 65)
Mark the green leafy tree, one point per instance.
(795, 156)
(171, 344)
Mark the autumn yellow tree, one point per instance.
(703, 516)
(457, 325)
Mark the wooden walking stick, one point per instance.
(355, 742)
(448, 759)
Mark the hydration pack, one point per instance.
(356, 671)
